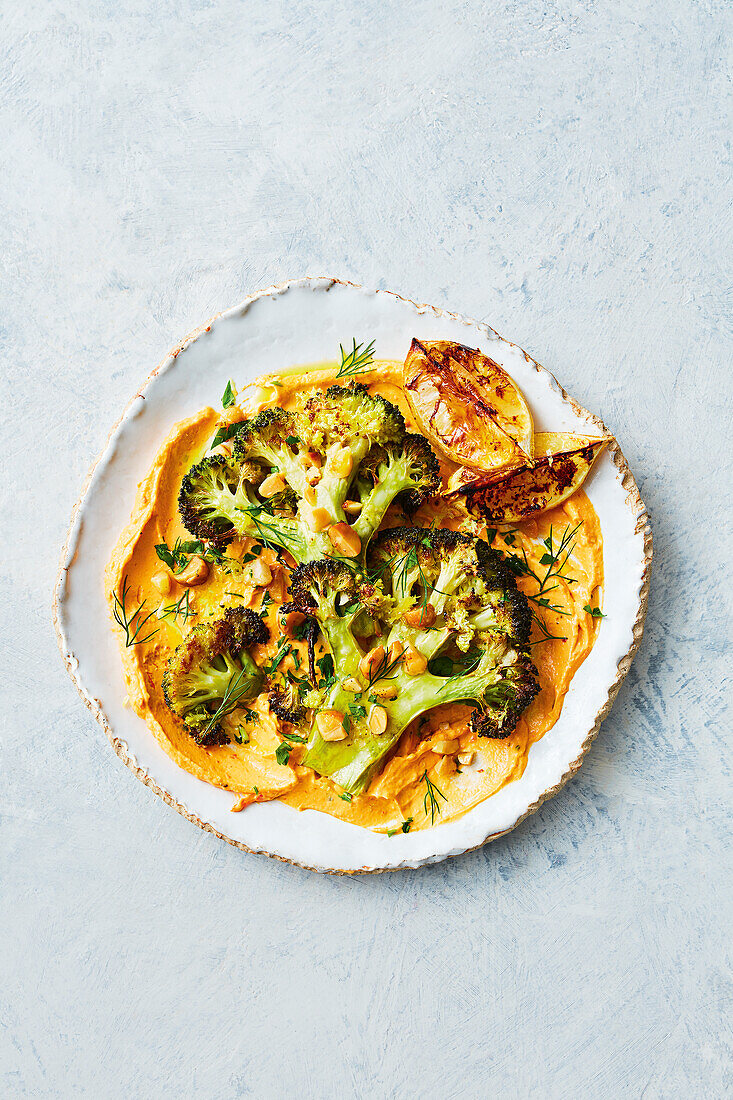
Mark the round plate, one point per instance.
(304, 321)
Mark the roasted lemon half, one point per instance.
(468, 407)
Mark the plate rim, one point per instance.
(633, 501)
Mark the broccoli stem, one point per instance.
(376, 504)
(352, 763)
(346, 652)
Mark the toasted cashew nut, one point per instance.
(378, 720)
(196, 572)
(420, 617)
(331, 725)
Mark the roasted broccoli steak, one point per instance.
(316, 481)
(452, 628)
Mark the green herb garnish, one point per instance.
(355, 361)
(124, 618)
(228, 398)
(556, 559)
(430, 799)
(235, 689)
(181, 607)
(224, 433)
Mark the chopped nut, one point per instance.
(352, 684)
(319, 518)
(342, 461)
(466, 758)
(195, 572)
(413, 662)
(162, 581)
(309, 495)
(313, 475)
(261, 574)
(352, 507)
(420, 617)
(445, 748)
(331, 725)
(273, 484)
(384, 691)
(445, 768)
(344, 540)
(371, 660)
(249, 597)
(278, 586)
(314, 459)
(396, 650)
(378, 720)
(292, 621)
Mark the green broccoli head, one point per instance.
(351, 417)
(505, 699)
(445, 597)
(406, 471)
(291, 475)
(211, 673)
(459, 576)
(323, 589)
(268, 438)
(219, 501)
(285, 702)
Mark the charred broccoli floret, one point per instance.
(211, 673)
(294, 478)
(218, 502)
(454, 628)
(286, 704)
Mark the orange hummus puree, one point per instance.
(250, 770)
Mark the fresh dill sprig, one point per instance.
(181, 607)
(266, 529)
(430, 799)
(383, 669)
(126, 620)
(555, 559)
(235, 689)
(355, 361)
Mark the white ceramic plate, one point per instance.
(304, 321)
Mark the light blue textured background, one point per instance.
(557, 169)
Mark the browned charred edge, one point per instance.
(564, 467)
(633, 499)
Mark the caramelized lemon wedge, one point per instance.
(468, 407)
(562, 463)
